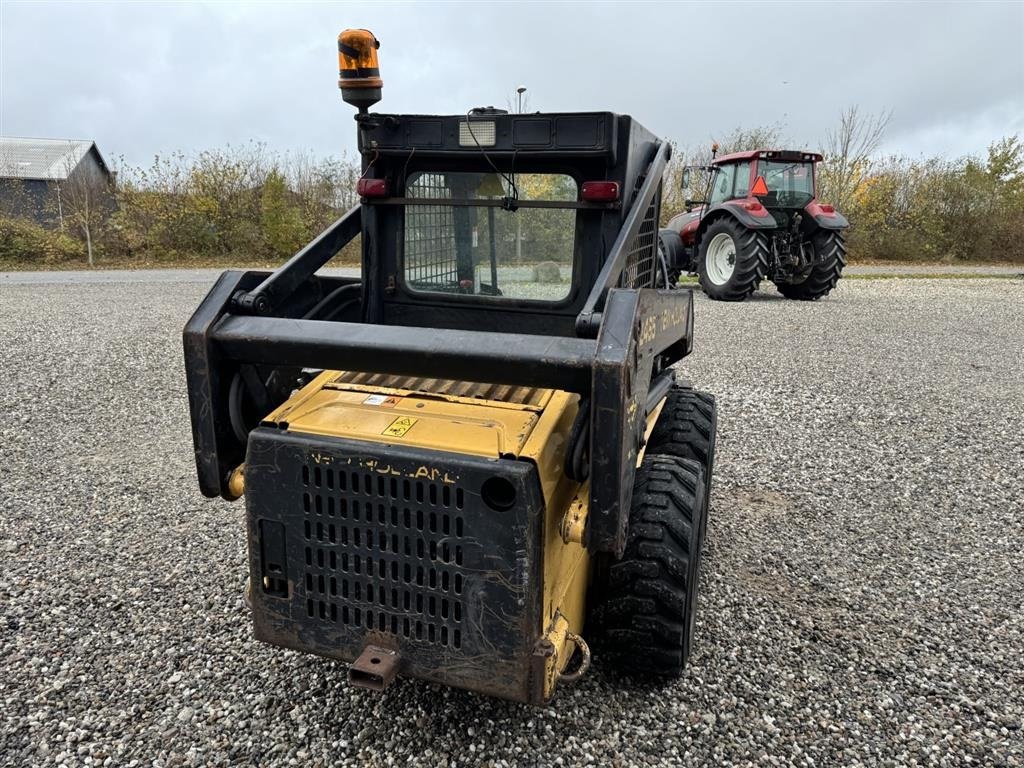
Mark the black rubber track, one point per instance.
(830, 248)
(686, 428)
(644, 605)
(752, 257)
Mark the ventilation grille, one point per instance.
(503, 392)
(641, 270)
(384, 553)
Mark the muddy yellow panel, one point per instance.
(421, 517)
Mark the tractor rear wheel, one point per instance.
(686, 428)
(830, 258)
(644, 605)
(732, 261)
(670, 252)
(667, 275)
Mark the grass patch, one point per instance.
(935, 276)
(691, 280)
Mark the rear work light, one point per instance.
(600, 191)
(477, 133)
(372, 187)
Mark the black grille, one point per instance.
(641, 270)
(384, 553)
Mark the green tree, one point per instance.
(280, 218)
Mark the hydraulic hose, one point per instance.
(577, 462)
(235, 409)
(326, 300)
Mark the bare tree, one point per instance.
(848, 151)
(84, 197)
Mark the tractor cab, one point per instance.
(774, 178)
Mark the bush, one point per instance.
(244, 204)
(942, 210)
(247, 205)
(25, 242)
(280, 219)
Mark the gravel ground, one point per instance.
(861, 595)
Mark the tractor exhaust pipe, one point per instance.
(375, 668)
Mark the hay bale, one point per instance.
(547, 272)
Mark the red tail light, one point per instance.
(372, 187)
(600, 191)
(821, 209)
(755, 207)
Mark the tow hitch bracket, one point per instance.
(374, 669)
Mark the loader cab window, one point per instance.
(464, 242)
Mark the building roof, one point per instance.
(53, 159)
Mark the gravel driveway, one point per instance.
(862, 593)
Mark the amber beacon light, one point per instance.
(358, 70)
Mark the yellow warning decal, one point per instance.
(400, 426)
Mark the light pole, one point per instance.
(519, 221)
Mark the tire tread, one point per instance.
(752, 261)
(643, 612)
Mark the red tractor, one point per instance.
(759, 218)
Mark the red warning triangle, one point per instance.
(759, 188)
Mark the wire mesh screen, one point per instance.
(430, 256)
(641, 270)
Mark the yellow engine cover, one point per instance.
(460, 417)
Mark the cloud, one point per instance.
(148, 78)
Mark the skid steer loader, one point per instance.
(459, 465)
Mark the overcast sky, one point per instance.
(146, 78)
